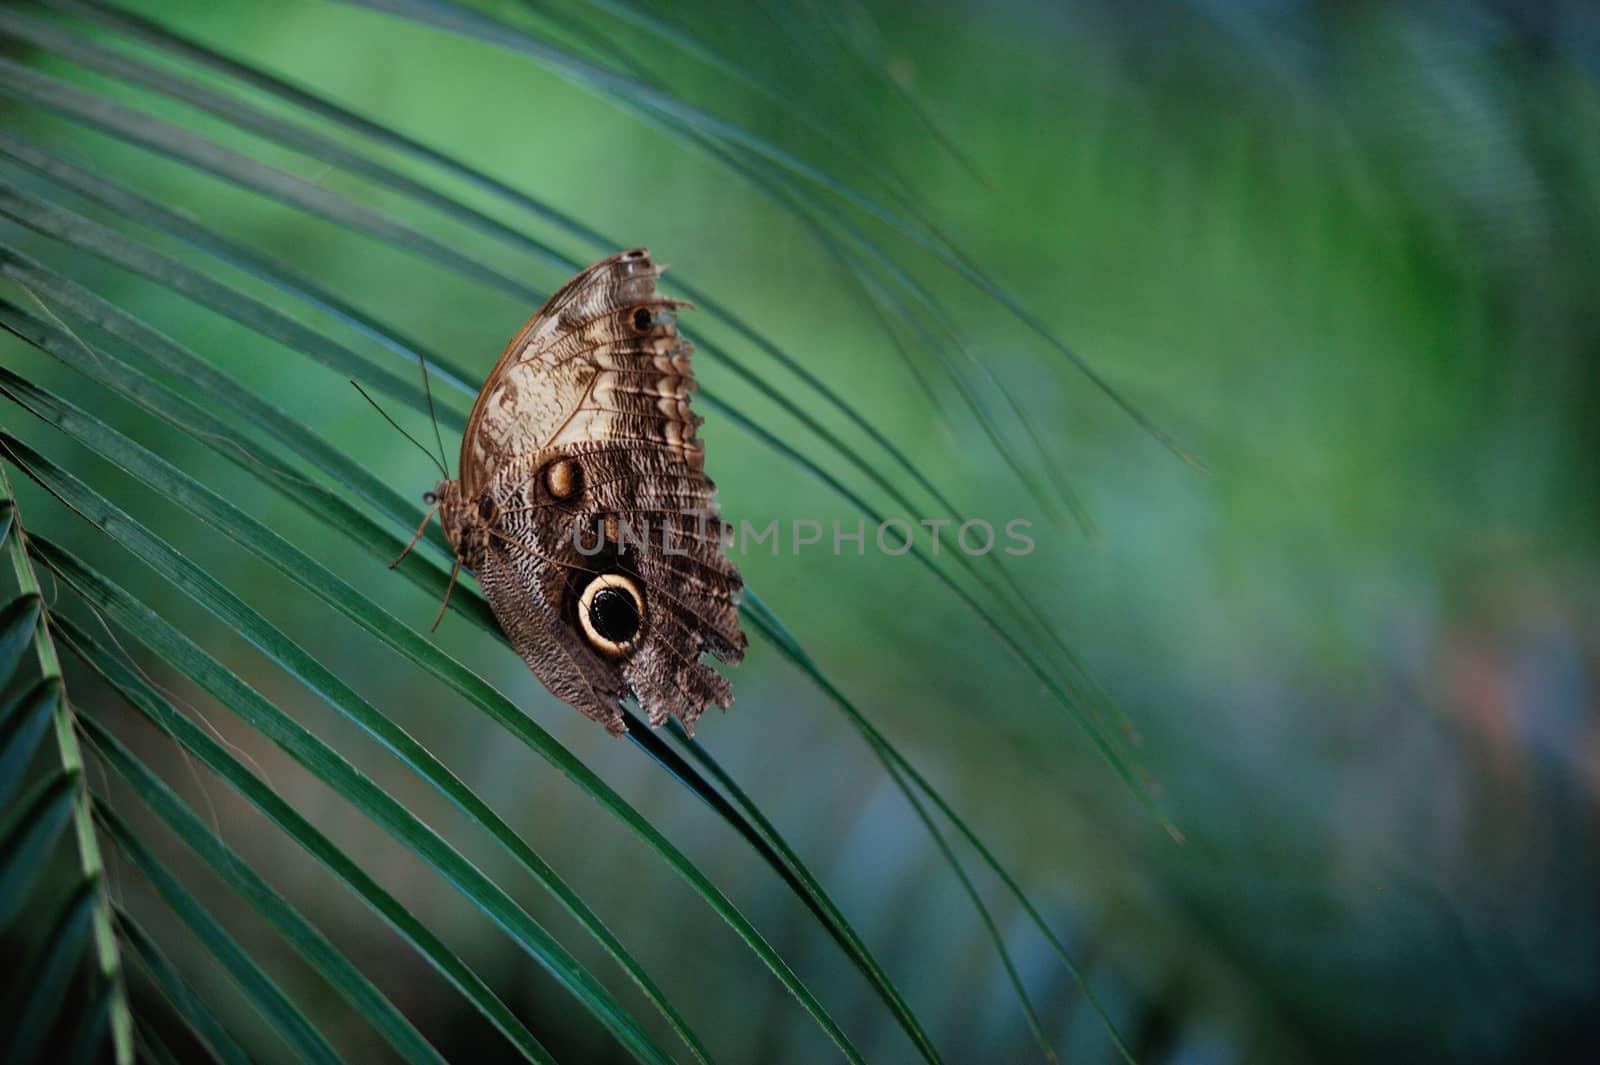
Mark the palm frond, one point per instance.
(81, 316)
(82, 921)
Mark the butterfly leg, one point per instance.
(401, 557)
(455, 571)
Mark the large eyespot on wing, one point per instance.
(525, 594)
(548, 373)
(611, 612)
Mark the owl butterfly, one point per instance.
(583, 508)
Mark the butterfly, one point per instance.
(582, 505)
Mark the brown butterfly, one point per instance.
(583, 508)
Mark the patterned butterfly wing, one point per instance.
(584, 510)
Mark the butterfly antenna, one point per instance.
(427, 391)
(455, 571)
(431, 456)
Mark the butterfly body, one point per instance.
(583, 509)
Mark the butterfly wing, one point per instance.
(601, 552)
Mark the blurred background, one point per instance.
(1345, 254)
